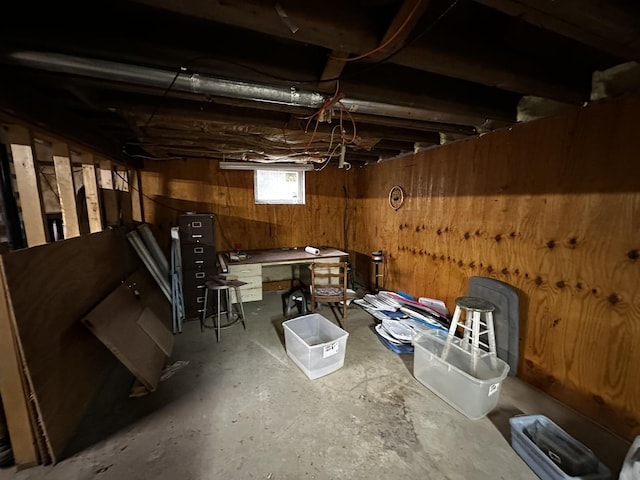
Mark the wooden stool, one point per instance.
(220, 285)
(474, 308)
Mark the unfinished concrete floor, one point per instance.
(242, 410)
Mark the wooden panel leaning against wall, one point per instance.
(177, 186)
(550, 207)
(64, 364)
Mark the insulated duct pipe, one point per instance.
(195, 83)
(154, 77)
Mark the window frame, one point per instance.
(301, 180)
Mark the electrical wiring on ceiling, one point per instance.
(355, 73)
(385, 43)
(318, 115)
(330, 152)
(328, 103)
(147, 157)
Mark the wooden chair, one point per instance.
(329, 285)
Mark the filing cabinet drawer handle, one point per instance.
(196, 236)
(200, 286)
(199, 261)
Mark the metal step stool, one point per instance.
(221, 285)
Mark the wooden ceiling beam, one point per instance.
(493, 69)
(401, 26)
(413, 125)
(349, 32)
(601, 25)
(333, 69)
(52, 116)
(328, 25)
(445, 107)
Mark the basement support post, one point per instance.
(137, 214)
(109, 195)
(94, 210)
(28, 183)
(66, 189)
(9, 204)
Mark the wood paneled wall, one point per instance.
(177, 186)
(551, 207)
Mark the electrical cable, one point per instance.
(331, 155)
(183, 69)
(333, 131)
(365, 69)
(164, 94)
(353, 122)
(148, 157)
(385, 43)
(327, 103)
(426, 30)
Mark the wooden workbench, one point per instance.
(249, 270)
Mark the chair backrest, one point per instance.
(329, 285)
(334, 274)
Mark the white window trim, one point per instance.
(300, 200)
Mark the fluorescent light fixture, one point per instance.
(298, 167)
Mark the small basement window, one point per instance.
(279, 186)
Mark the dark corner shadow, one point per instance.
(277, 322)
(523, 308)
(109, 412)
(112, 410)
(500, 418)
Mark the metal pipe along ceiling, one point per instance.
(154, 77)
(195, 83)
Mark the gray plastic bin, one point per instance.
(569, 452)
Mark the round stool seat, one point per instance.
(213, 285)
(222, 287)
(475, 303)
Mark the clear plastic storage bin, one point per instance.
(450, 377)
(551, 452)
(315, 344)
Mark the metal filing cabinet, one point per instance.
(198, 249)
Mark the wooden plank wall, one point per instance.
(551, 207)
(49, 288)
(173, 187)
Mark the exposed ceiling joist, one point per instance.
(493, 68)
(401, 27)
(600, 24)
(343, 33)
(199, 79)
